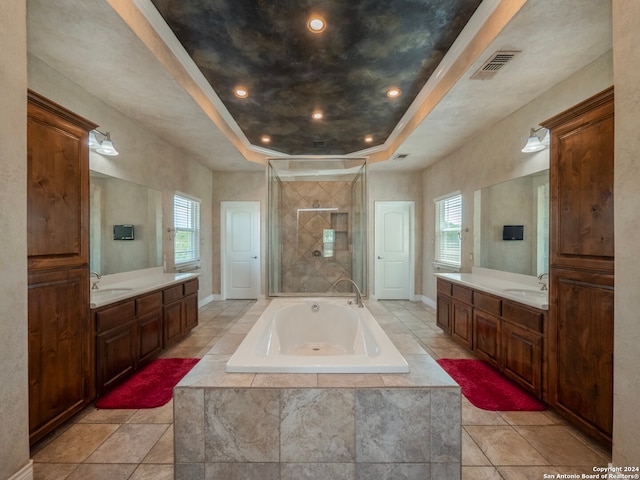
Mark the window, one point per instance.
(186, 222)
(448, 230)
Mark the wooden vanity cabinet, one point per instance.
(149, 315)
(581, 274)
(60, 347)
(180, 310)
(508, 335)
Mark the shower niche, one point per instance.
(317, 226)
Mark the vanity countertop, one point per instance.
(114, 288)
(518, 288)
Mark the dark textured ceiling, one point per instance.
(290, 72)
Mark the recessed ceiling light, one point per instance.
(241, 92)
(368, 138)
(317, 115)
(265, 139)
(316, 24)
(393, 92)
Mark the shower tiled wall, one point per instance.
(302, 229)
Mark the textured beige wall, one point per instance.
(626, 421)
(395, 186)
(495, 156)
(14, 433)
(144, 158)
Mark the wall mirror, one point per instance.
(119, 203)
(522, 203)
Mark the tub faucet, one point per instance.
(358, 294)
(94, 285)
(544, 284)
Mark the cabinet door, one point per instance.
(172, 323)
(582, 362)
(444, 313)
(59, 347)
(149, 336)
(462, 323)
(522, 357)
(116, 352)
(190, 312)
(486, 336)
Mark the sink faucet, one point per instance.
(544, 284)
(358, 294)
(94, 285)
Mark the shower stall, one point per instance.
(317, 231)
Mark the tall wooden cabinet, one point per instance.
(60, 352)
(582, 264)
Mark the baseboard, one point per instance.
(25, 473)
(207, 300)
(428, 301)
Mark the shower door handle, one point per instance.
(255, 256)
(380, 258)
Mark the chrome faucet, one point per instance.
(358, 294)
(94, 285)
(544, 284)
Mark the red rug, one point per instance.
(488, 389)
(151, 387)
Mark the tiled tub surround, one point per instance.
(503, 284)
(293, 426)
(120, 286)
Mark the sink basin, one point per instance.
(526, 292)
(103, 292)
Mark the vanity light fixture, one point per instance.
(316, 24)
(105, 147)
(533, 142)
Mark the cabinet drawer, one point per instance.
(172, 294)
(487, 303)
(444, 287)
(463, 294)
(115, 316)
(149, 303)
(191, 287)
(528, 318)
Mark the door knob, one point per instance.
(379, 257)
(255, 256)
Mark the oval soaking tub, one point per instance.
(316, 335)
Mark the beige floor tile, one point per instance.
(227, 344)
(153, 472)
(471, 453)
(480, 473)
(102, 472)
(76, 443)
(184, 352)
(475, 416)
(560, 447)
(530, 418)
(106, 416)
(163, 414)
(129, 444)
(162, 451)
(504, 445)
(53, 471)
(196, 341)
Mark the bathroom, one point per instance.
(462, 171)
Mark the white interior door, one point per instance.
(240, 250)
(394, 233)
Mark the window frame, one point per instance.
(189, 223)
(440, 257)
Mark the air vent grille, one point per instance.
(495, 63)
(319, 144)
(401, 156)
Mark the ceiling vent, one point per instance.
(401, 156)
(492, 66)
(319, 144)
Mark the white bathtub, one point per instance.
(316, 335)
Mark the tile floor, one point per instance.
(138, 444)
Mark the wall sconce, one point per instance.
(534, 143)
(105, 147)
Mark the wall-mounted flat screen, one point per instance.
(513, 232)
(123, 232)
